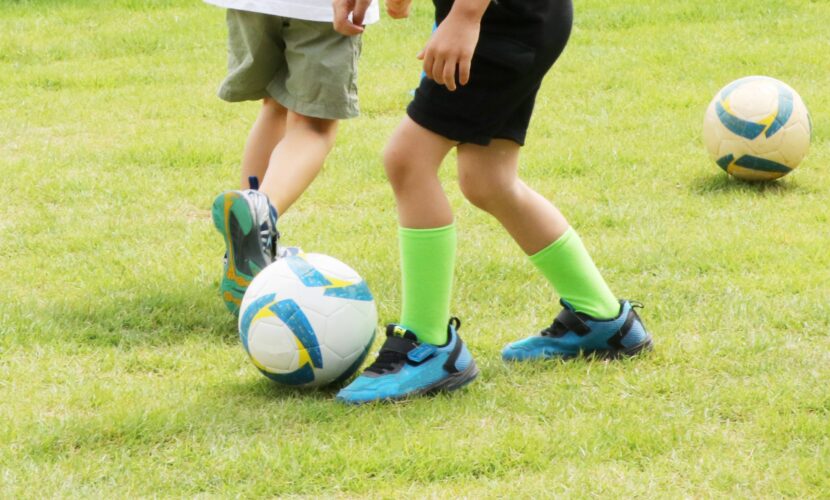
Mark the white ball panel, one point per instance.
(797, 144)
(775, 156)
(731, 146)
(314, 299)
(350, 329)
(272, 345)
(276, 276)
(754, 100)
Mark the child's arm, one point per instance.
(452, 45)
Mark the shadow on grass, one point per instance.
(265, 390)
(154, 318)
(726, 184)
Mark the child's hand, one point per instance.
(398, 9)
(451, 49)
(342, 9)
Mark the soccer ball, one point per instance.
(757, 128)
(307, 320)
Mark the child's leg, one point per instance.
(412, 159)
(297, 158)
(488, 178)
(298, 146)
(424, 353)
(427, 233)
(265, 134)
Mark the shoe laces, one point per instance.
(268, 237)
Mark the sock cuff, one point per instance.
(563, 240)
(427, 233)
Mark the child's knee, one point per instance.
(397, 163)
(482, 191)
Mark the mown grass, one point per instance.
(120, 371)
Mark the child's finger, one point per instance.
(464, 71)
(359, 12)
(438, 70)
(448, 74)
(428, 62)
(347, 28)
(342, 23)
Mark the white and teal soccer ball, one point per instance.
(307, 320)
(757, 128)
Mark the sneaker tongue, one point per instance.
(399, 331)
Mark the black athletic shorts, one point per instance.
(519, 42)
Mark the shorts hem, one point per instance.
(449, 131)
(231, 96)
(313, 109)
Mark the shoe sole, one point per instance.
(451, 383)
(232, 217)
(611, 354)
(642, 347)
(603, 354)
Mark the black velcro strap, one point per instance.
(616, 340)
(398, 344)
(573, 322)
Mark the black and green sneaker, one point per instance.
(248, 223)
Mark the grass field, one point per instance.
(121, 373)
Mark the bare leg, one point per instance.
(266, 132)
(297, 158)
(488, 176)
(412, 159)
(427, 235)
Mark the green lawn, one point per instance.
(120, 370)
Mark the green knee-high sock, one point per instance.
(427, 261)
(569, 268)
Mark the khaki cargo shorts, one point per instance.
(304, 65)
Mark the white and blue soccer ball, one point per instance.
(757, 128)
(307, 320)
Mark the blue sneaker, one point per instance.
(405, 367)
(573, 334)
(248, 223)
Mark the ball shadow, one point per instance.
(722, 183)
(263, 389)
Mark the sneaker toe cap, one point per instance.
(365, 389)
(533, 348)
